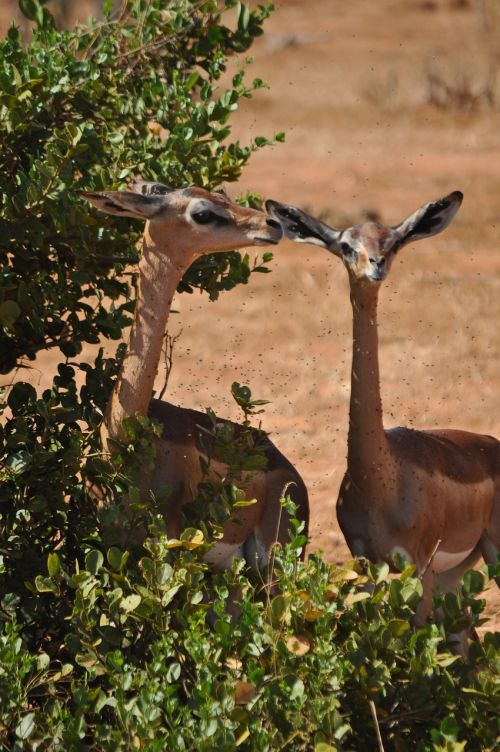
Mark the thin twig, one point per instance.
(377, 727)
(429, 560)
(162, 40)
(392, 719)
(143, 20)
(290, 739)
(169, 353)
(276, 533)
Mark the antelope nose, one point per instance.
(272, 223)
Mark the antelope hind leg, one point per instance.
(448, 582)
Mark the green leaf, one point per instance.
(26, 726)
(164, 573)
(45, 585)
(130, 603)
(261, 141)
(379, 572)
(353, 598)
(191, 81)
(280, 608)
(115, 557)
(196, 597)
(9, 312)
(94, 561)
(173, 673)
(170, 594)
(449, 728)
(19, 462)
(473, 582)
(243, 16)
(398, 627)
(298, 689)
(31, 9)
(411, 591)
(107, 8)
(88, 660)
(42, 661)
(446, 659)
(53, 564)
(246, 503)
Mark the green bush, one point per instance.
(138, 659)
(90, 109)
(136, 94)
(110, 649)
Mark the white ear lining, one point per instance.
(125, 203)
(203, 204)
(430, 219)
(308, 240)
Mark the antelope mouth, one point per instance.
(264, 241)
(376, 277)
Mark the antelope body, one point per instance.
(180, 226)
(433, 496)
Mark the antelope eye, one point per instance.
(346, 249)
(204, 217)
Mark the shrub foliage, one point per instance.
(90, 109)
(103, 648)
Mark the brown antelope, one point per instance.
(182, 225)
(432, 496)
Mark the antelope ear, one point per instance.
(430, 219)
(302, 227)
(125, 203)
(149, 188)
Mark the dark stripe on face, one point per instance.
(115, 207)
(297, 225)
(221, 221)
(304, 231)
(155, 190)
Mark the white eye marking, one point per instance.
(203, 212)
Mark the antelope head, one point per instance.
(368, 249)
(195, 219)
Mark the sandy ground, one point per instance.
(385, 106)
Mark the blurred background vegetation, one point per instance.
(66, 12)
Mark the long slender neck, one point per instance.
(367, 444)
(160, 269)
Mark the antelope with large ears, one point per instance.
(180, 226)
(433, 496)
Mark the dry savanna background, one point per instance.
(385, 105)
